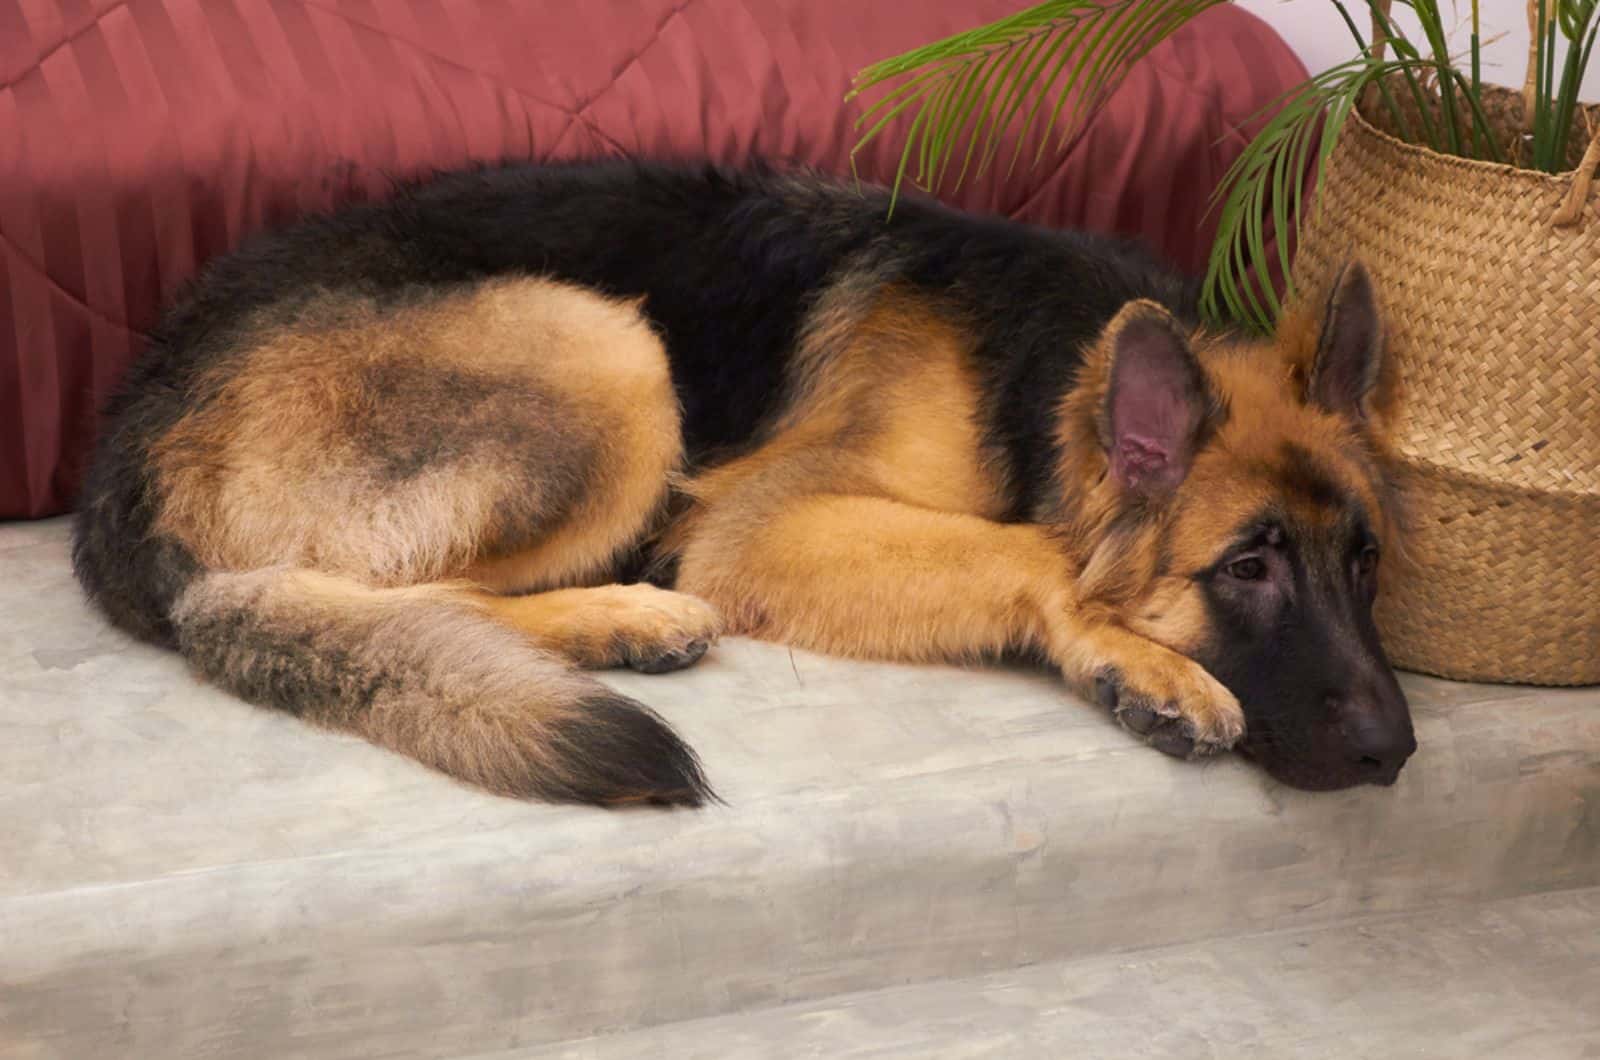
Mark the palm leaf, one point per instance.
(1265, 182)
(1054, 62)
(1047, 68)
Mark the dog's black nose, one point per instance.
(1379, 748)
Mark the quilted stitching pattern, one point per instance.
(138, 138)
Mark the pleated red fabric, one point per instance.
(138, 138)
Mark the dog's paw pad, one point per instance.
(1171, 740)
(1140, 719)
(1188, 718)
(668, 659)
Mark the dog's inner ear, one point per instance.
(1157, 401)
(1350, 350)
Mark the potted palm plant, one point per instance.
(1470, 204)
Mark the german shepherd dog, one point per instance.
(409, 469)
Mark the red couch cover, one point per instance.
(139, 138)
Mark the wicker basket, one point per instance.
(1490, 278)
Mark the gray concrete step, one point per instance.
(1514, 978)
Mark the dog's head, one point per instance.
(1240, 514)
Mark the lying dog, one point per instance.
(385, 469)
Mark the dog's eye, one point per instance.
(1367, 561)
(1248, 569)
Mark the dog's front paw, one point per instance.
(1179, 709)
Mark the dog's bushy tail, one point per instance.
(425, 672)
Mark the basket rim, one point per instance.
(1423, 153)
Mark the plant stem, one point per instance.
(1404, 48)
(1549, 90)
(1475, 94)
(1381, 84)
(1548, 95)
(1567, 101)
(1480, 124)
(1433, 28)
(1477, 55)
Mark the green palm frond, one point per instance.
(1050, 64)
(1266, 184)
(1575, 17)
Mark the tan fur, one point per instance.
(1173, 614)
(603, 625)
(870, 577)
(1237, 473)
(862, 526)
(616, 372)
(865, 522)
(1169, 683)
(1135, 581)
(458, 692)
(887, 385)
(361, 475)
(264, 475)
(1295, 345)
(886, 408)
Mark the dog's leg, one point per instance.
(871, 577)
(1167, 698)
(866, 576)
(615, 405)
(639, 626)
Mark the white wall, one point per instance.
(1319, 36)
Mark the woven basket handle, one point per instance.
(1571, 207)
(1380, 39)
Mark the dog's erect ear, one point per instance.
(1349, 354)
(1158, 403)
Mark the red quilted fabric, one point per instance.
(140, 137)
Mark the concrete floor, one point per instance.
(1515, 978)
(182, 874)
